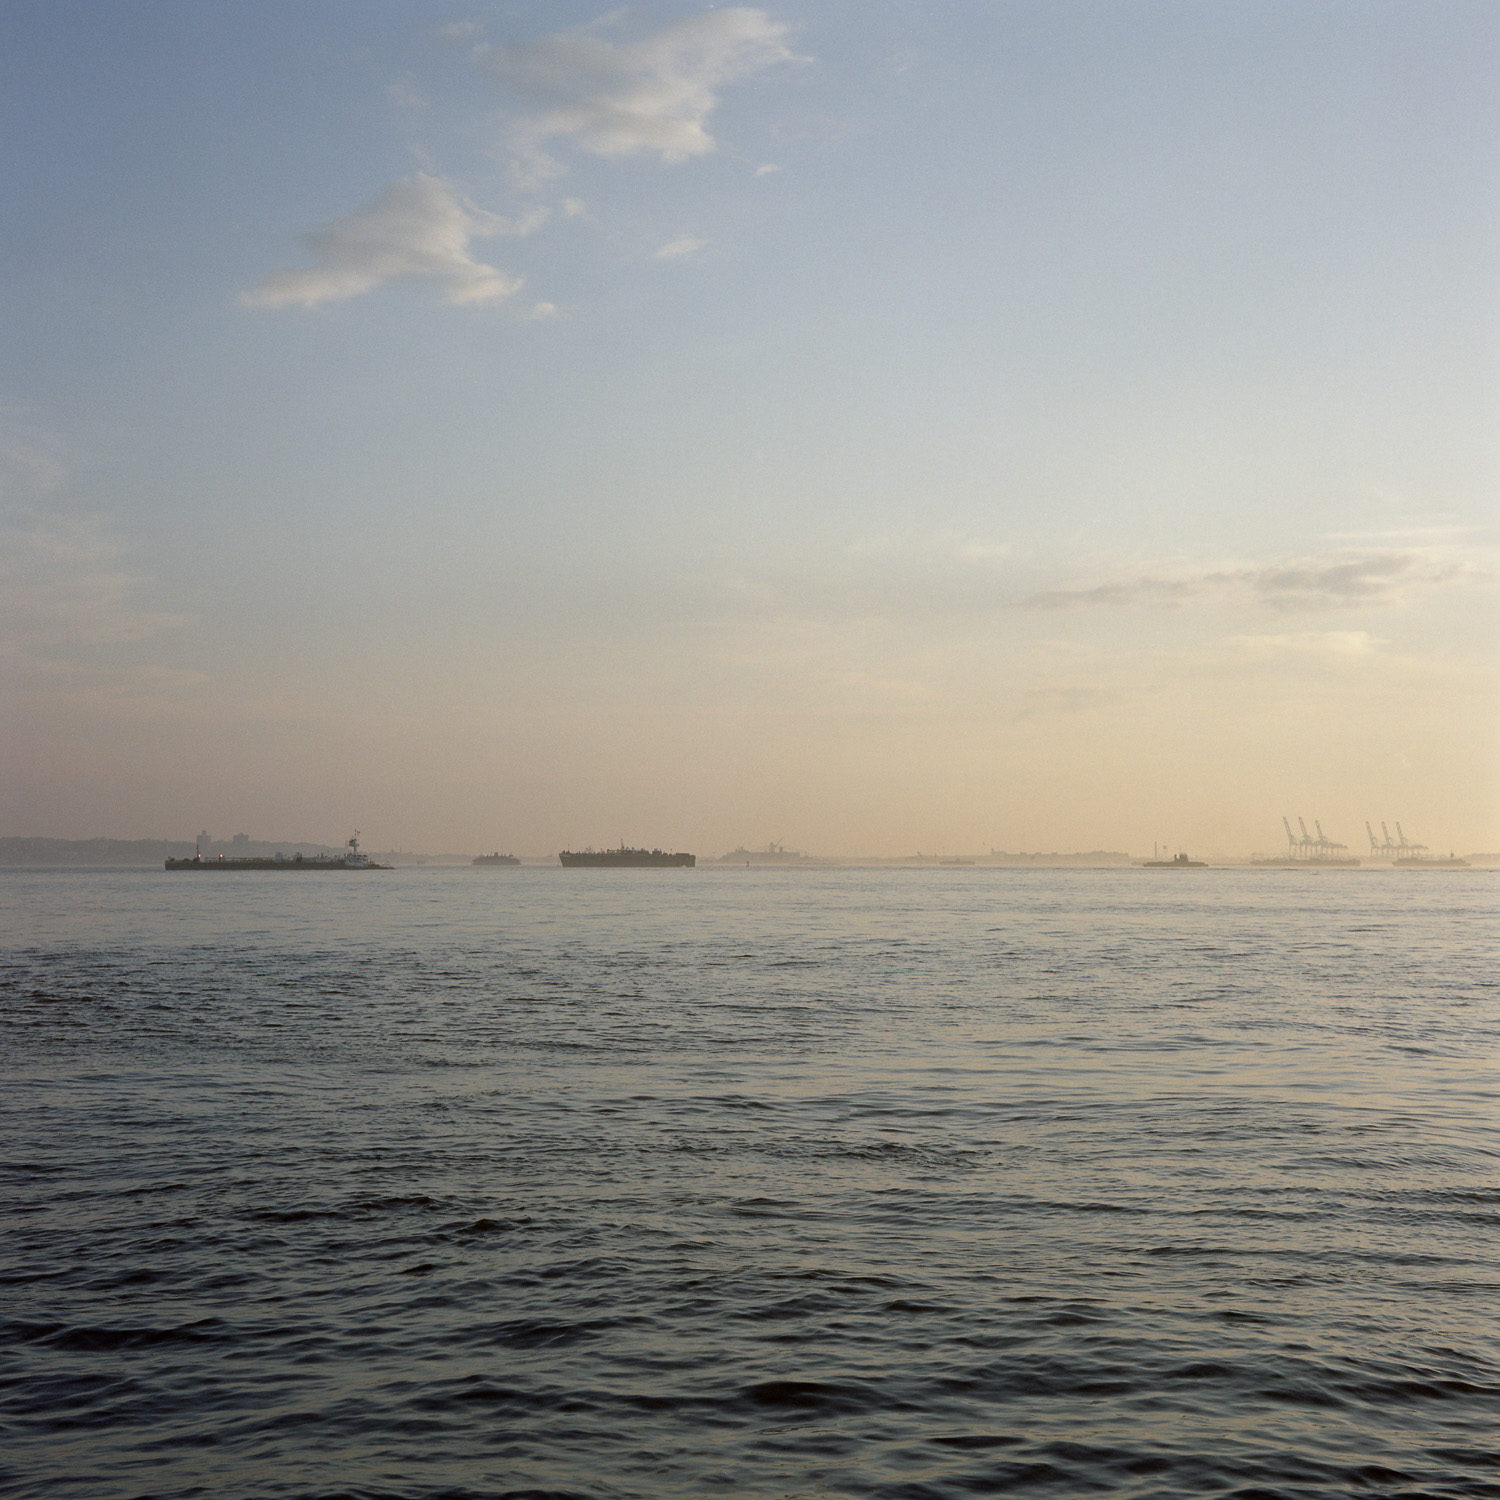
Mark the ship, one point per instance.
(1404, 853)
(353, 858)
(496, 859)
(772, 854)
(626, 859)
(1307, 852)
(1177, 862)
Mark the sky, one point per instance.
(876, 427)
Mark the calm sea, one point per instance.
(896, 1183)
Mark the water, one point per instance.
(761, 1183)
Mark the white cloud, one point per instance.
(655, 94)
(459, 31)
(767, 170)
(683, 245)
(415, 230)
(1373, 579)
(1334, 643)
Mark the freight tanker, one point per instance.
(351, 859)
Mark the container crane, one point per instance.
(1408, 850)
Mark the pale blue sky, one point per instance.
(848, 402)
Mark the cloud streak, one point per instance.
(1374, 579)
(63, 583)
(676, 249)
(1336, 644)
(653, 95)
(416, 230)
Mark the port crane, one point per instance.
(1406, 850)
(1308, 847)
(1327, 846)
(1399, 847)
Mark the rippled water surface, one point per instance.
(782, 1183)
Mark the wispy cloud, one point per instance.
(676, 249)
(651, 95)
(1303, 643)
(63, 575)
(404, 94)
(417, 229)
(1376, 578)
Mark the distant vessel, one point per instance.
(353, 858)
(626, 859)
(496, 859)
(1406, 853)
(772, 854)
(1320, 853)
(1315, 862)
(1177, 862)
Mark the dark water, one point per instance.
(763, 1183)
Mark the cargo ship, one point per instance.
(1306, 852)
(626, 859)
(353, 858)
(496, 859)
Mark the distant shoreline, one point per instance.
(144, 854)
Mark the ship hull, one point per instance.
(269, 864)
(628, 859)
(1305, 864)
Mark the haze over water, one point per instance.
(763, 1182)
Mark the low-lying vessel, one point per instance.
(626, 859)
(353, 858)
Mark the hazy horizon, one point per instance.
(872, 428)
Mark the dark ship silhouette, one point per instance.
(353, 858)
(626, 859)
